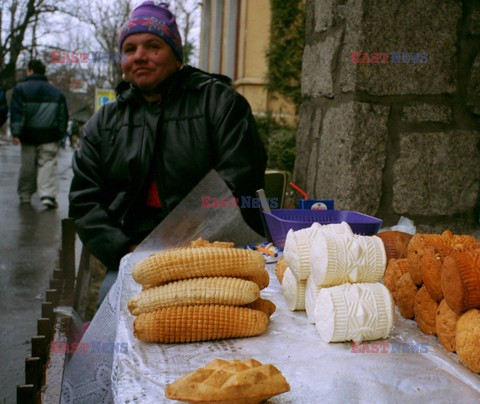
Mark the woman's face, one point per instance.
(150, 60)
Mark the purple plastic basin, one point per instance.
(280, 221)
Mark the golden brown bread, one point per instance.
(405, 296)
(263, 305)
(395, 269)
(232, 382)
(446, 325)
(199, 323)
(280, 268)
(431, 262)
(415, 252)
(176, 264)
(396, 244)
(213, 290)
(461, 280)
(200, 242)
(425, 309)
(467, 339)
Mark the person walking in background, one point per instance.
(169, 126)
(38, 120)
(3, 107)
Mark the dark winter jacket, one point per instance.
(3, 107)
(38, 111)
(201, 124)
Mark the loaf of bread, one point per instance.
(396, 244)
(467, 339)
(446, 325)
(415, 250)
(425, 309)
(212, 290)
(280, 268)
(264, 305)
(175, 264)
(405, 295)
(460, 280)
(431, 263)
(233, 382)
(395, 269)
(199, 323)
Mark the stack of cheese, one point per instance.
(334, 275)
(202, 293)
(438, 284)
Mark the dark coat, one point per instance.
(3, 107)
(38, 111)
(201, 124)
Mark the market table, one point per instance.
(119, 368)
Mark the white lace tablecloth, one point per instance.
(122, 369)
(137, 372)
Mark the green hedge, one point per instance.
(286, 48)
(279, 141)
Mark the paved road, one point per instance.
(29, 243)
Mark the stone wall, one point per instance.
(393, 139)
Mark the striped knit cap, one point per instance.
(154, 19)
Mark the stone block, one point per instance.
(324, 14)
(423, 112)
(351, 156)
(308, 130)
(417, 27)
(474, 21)
(437, 173)
(318, 66)
(473, 90)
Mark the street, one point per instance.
(30, 238)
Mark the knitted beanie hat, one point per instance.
(154, 19)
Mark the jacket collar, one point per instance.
(36, 77)
(187, 78)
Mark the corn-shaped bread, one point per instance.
(263, 305)
(199, 323)
(194, 291)
(172, 265)
(200, 242)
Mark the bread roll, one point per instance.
(461, 280)
(446, 325)
(425, 309)
(405, 296)
(467, 339)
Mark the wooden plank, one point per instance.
(39, 347)
(51, 295)
(26, 394)
(52, 388)
(33, 372)
(47, 310)
(68, 251)
(44, 327)
(82, 283)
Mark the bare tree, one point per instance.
(20, 17)
(188, 20)
(103, 21)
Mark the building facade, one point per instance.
(235, 36)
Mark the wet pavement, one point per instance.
(30, 237)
